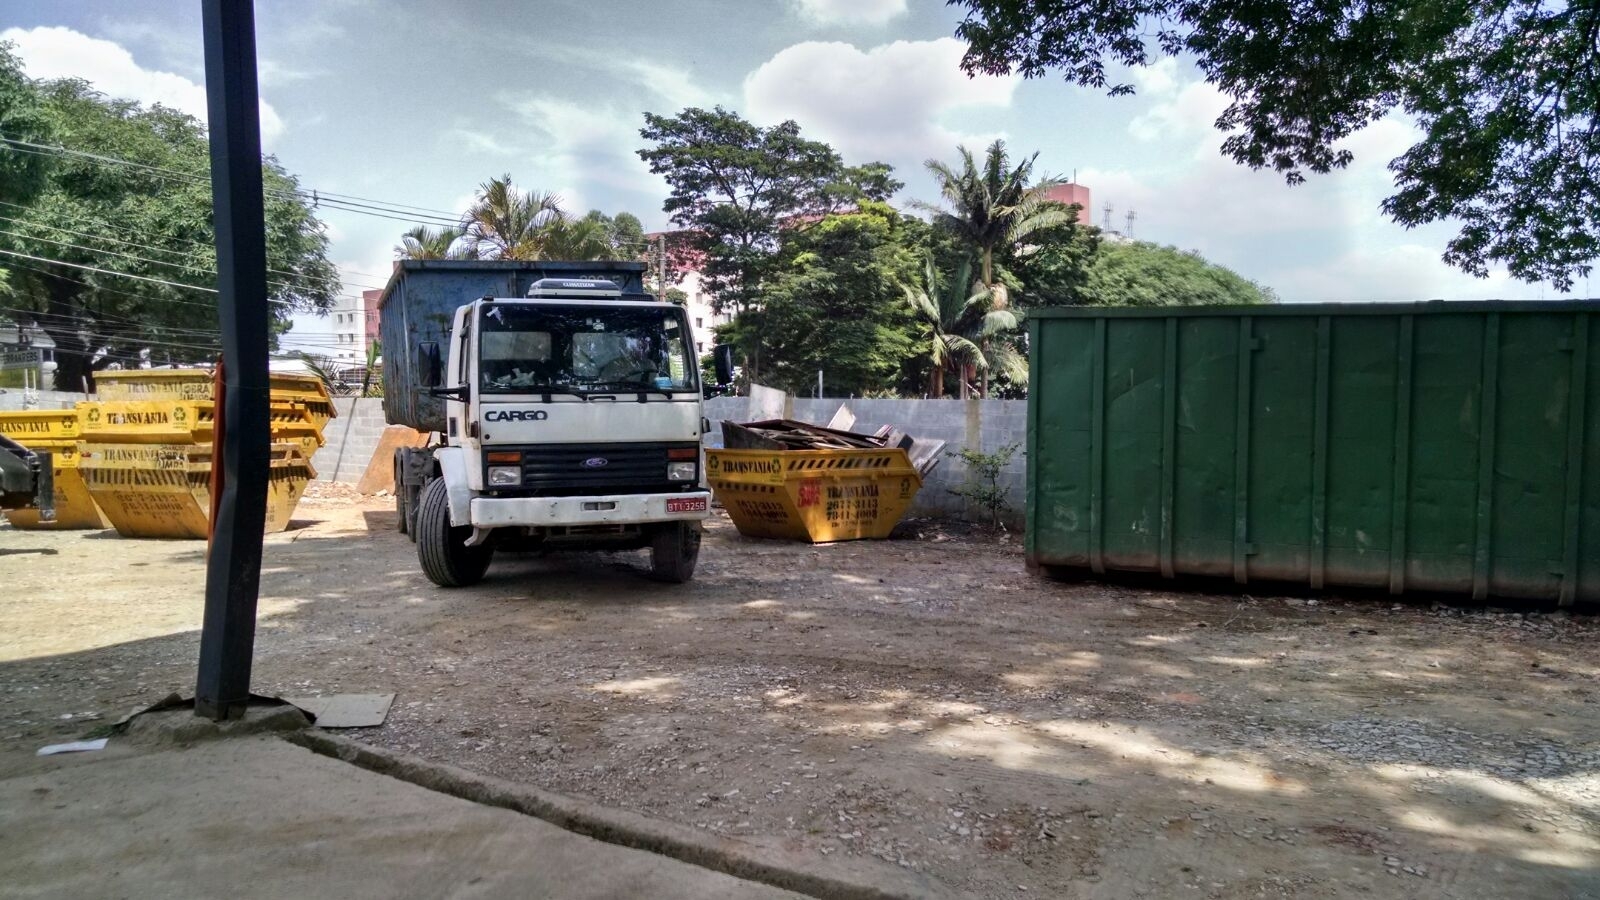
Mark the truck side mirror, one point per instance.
(722, 361)
(431, 373)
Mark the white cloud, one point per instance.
(674, 85)
(886, 103)
(575, 147)
(54, 52)
(849, 12)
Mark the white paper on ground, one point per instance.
(73, 747)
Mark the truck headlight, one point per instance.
(505, 476)
(681, 471)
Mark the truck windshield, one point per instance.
(528, 347)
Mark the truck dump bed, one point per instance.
(420, 301)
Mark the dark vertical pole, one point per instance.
(233, 570)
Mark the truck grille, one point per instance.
(572, 469)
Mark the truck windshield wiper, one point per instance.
(632, 387)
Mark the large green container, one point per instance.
(1420, 447)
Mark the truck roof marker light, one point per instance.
(576, 288)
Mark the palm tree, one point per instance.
(959, 326)
(564, 237)
(994, 208)
(506, 223)
(423, 242)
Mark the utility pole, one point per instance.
(661, 263)
(233, 566)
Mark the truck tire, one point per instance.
(401, 495)
(442, 549)
(413, 501)
(674, 549)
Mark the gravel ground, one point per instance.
(925, 702)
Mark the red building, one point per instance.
(1071, 193)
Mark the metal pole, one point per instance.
(233, 569)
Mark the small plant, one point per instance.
(983, 479)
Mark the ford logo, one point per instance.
(596, 462)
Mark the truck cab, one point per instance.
(572, 419)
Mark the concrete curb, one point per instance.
(851, 880)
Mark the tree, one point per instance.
(507, 223)
(994, 208)
(736, 187)
(954, 316)
(423, 242)
(834, 305)
(23, 116)
(1505, 92)
(1052, 267)
(122, 240)
(1135, 273)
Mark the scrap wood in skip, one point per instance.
(788, 434)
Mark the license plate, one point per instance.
(686, 504)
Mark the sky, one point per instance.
(418, 103)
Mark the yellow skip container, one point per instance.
(55, 431)
(164, 491)
(813, 495)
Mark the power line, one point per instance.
(201, 244)
(57, 262)
(315, 196)
(136, 258)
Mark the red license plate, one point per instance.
(686, 504)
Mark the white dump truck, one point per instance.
(564, 411)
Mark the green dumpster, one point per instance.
(1449, 447)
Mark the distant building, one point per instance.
(702, 317)
(1071, 193)
(355, 327)
(684, 274)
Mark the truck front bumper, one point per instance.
(625, 509)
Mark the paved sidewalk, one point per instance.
(257, 817)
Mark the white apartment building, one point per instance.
(355, 326)
(702, 318)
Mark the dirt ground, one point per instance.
(926, 702)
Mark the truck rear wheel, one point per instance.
(674, 549)
(446, 559)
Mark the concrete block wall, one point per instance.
(351, 439)
(11, 399)
(983, 425)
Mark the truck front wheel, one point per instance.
(446, 559)
(673, 552)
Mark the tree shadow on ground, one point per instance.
(1097, 740)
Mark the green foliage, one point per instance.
(84, 211)
(835, 304)
(505, 222)
(1052, 267)
(994, 207)
(1136, 273)
(1506, 94)
(443, 242)
(23, 116)
(982, 487)
(736, 187)
(959, 329)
